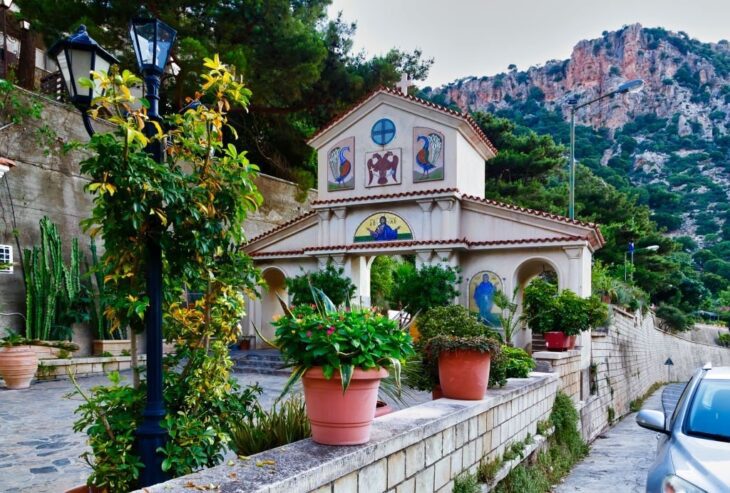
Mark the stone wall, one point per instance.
(629, 358)
(566, 366)
(47, 182)
(416, 450)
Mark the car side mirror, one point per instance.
(652, 420)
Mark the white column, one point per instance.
(324, 227)
(423, 257)
(579, 281)
(338, 236)
(448, 224)
(361, 277)
(426, 219)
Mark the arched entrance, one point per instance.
(275, 281)
(526, 272)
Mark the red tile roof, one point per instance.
(394, 195)
(415, 243)
(291, 222)
(395, 92)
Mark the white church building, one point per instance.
(398, 175)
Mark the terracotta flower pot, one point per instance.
(436, 392)
(382, 408)
(464, 374)
(339, 418)
(18, 364)
(85, 489)
(558, 341)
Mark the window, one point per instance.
(709, 412)
(6, 259)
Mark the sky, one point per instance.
(482, 37)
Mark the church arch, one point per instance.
(275, 280)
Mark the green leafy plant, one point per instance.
(466, 483)
(510, 362)
(488, 469)
(724, 339)
(546, 310)
(673, 319)
(418, 290)
(13, 339)
(339, 340)
(286, 422)
(508, 317)
(331, 280)
(482, 344)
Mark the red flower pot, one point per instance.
(339, 418)
(558, 341)
(436, 392)
(464, 374)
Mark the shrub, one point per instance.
(332, 281)
(547, 311)
(466, 483)
(510, 362)
(418, 290)
(724, 340)
(673, 319)
(264, 430)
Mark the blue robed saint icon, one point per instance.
(484, 299)
(384, 232)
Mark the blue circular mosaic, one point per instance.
(383, 131)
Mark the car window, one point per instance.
(709, 412)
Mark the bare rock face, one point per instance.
(675, 79)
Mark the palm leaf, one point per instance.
(284, 306)
(295, 376)
(268, 342)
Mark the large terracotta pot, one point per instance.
(464, 374)
(436, 392)
(85, 489)
(18, 364)
(558, 341)
(339, 418)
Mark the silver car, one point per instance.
(694, 450)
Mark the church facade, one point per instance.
(401, 176)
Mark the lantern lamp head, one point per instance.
(77, 56)
(152, 40)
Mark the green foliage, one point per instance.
(340, 341)
(332, 281)
(53, 287)
(417, 290)
(544, 427)
(381, 280)
(723, 339)
(487, 470)
(441, 343)
(508, 317)
(99, 298)
(510, 362)
(286, 422)
(546, 310)
(194, 206)
(673, 319)
(466, 483)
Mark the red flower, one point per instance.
(330, 331)
(309, 333)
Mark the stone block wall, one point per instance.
(416, 450)
(47, 182)
(629, 358)
(566, 365)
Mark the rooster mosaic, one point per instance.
(340, 165)
(427, 157)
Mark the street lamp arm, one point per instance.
(87, 123)
(595, 100)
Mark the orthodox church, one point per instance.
(398, 175)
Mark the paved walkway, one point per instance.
(620, 459)
(39, 451)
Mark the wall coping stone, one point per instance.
(304, 465)
(554, 355)
(89, 360)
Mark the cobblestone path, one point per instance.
(39, 452)
(620, 459)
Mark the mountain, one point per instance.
(669, 143)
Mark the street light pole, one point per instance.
(629, 86)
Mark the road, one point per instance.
(620, 459)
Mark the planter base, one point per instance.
(112, 346)
(339, 418)
(558, 341)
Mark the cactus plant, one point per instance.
(51, 286)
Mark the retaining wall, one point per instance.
(415, 450)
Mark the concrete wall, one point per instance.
(416, 450)
(46, 182)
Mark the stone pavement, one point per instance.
(39, 452)
(619, 459)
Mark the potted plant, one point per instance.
(560, 317)
(463, 364)
(452, 320)
(18, 362)
(340, 356)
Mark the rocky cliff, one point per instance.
(672, 135)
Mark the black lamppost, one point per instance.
(629, 86)
(77, 56)
(5, 6)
